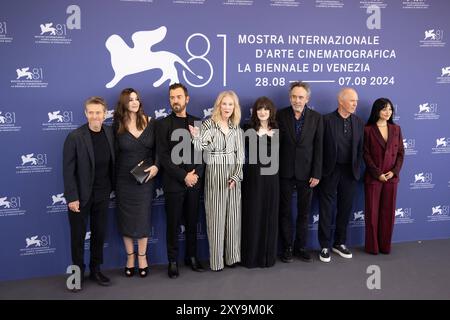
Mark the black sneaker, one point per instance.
(303, 254)
(286, 257)
(342, 250)
(324, 255)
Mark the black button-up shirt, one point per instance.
(344, 139)
(298, 123)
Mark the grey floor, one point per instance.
(414, 270)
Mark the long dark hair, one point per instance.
(266, 103)
(121, 114)
(377, 106)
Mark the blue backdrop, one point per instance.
(54, 54)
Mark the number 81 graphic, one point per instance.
(202, 59)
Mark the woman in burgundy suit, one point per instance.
(383, 154)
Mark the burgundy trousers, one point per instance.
(379, 216)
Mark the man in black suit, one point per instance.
(88, 162)
(342, 149)
(181, 179)
(301, 134)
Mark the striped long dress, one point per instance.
(224, 156)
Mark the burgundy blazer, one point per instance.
(380, 156)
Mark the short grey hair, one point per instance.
(301, 84)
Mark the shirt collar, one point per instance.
(341, 117)
(230, 124)
(302, 115)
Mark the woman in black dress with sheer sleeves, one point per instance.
(260, 188)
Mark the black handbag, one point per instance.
(138, 171)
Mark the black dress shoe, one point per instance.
(286, 257)
(100, 278)
(75, 290)
(195, 264)
(172, 270)
(303, 254)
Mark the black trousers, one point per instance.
(339, 186)
(96, 211)
(304, 196)
(178, 205)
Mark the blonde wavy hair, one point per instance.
(236, 116)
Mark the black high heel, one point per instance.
(143, 271)
(129, 272)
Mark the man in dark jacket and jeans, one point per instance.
(88, 163)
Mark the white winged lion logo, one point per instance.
(126, 61)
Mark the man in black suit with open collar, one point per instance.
(343, 151)
(301, 133)
(181, 179)
(88, 164)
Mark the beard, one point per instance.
(177, 108)
(298, 108)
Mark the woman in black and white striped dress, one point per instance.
(222, 140)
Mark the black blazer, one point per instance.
(79, 163)
(301, 159)
(173, 175)
(330, 122)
